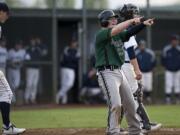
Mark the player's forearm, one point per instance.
(121, 27)
(134, 30)
(135, 64)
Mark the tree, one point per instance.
(14, 3)
(93, 4)
(96, 4)
(61, 3)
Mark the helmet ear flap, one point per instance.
(104, 23)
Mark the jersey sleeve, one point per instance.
(122, 35)
(103, 35)
(131, 42)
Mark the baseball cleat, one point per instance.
(154, 127)
(12, 130)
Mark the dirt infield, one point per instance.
(92, 131)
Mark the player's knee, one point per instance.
(116, 108)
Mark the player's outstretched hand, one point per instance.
(149, 22)
(137, 20)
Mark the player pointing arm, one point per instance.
(109, 59)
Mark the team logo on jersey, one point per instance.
(117, 43)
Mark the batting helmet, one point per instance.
(104, 16)
(128, 11)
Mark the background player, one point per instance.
(147, 61)
(171, 62)
(69, 64)
(109, 59)
(35, 51)
(5, 91)
(16, 57)
(131, 68)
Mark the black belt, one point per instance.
(126, 61)
(111, 67)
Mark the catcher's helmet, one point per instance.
(104, 16)
(128, 11)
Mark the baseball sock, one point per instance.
(5, 111)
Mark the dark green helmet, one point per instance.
(104, 16)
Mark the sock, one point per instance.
(5, 111)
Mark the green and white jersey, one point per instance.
(109, 50)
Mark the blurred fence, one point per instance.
(27, 22)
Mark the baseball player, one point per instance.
(34, 52)
(147, 61)
(132, 71)
(5, 91)
(69, 63)
(90, 92)
(16, 56)
(171, 62)
(3, 56)
(109, 59)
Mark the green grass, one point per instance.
(169, 116)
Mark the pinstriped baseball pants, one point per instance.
(115, 86)
(5, 90)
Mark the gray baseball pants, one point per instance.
(115, 86)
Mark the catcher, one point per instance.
(133, 73)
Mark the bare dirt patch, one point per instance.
(91, 131)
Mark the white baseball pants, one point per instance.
(67, 82)
(115, 86)
(128, 70)
(172, 80)
(32, 79)
(5, 90)
(147, 81)
(14, 78)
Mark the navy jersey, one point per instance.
(70, 58)
(146, 59)
(171, 58)
(35, 54)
